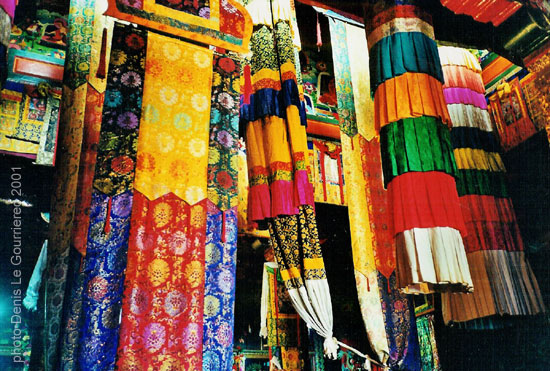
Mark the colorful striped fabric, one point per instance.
(274, 116)
(503, 281)
(419, 166)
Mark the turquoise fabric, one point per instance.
(403, 52)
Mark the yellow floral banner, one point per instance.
(173, 138)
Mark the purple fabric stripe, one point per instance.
(464, 96)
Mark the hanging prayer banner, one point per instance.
(219, 23)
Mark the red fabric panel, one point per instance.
(162, 314)
(425, 200)
(88, 156)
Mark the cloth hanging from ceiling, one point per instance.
(280, 190)
(510, 115)
(166, 250)
(77, 67)
(221, 229)
(427, 218)
(111, 202)
(503, 280)
(370, 217)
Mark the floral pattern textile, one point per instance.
(294, 238)
(104, 267)
(72, 313)
(162, 319)
(219, 293)
(116, 151)
(77, 63)
(282, 319)
(342, 73)
(224, 133)
(173, 142)
(88, 156)
(197, 7)
(428, 348)
(62, 212)
(48, 137)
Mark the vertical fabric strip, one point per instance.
(111, 202)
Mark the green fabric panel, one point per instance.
(416, 144)
(482, 183)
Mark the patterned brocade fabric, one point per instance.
(173, 143)
(111, 202)
(296, 247)
(163, 306)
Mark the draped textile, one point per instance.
(344, 88)
(111, 202)
(166, 256)
(428, 346)
(371, 229)
(221, 229)
(162, 317)
(77, 62)
(91, 132)
(72, 313)
(421, 188)
(503, 280)
(280, 190)
(219, 292)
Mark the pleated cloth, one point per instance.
(417, 159)
(503, 280)
(273, 116)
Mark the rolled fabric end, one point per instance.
(330, 348)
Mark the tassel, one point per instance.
(319, 40)
(275, 271)
(223, 227)
(102, 66)
(107, 227)
(352, 148)
(389, 289)
(368, 284)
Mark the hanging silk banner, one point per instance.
(166, 261)
(77, 63)
(221, 230)
(111, 201)
(281, 193)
